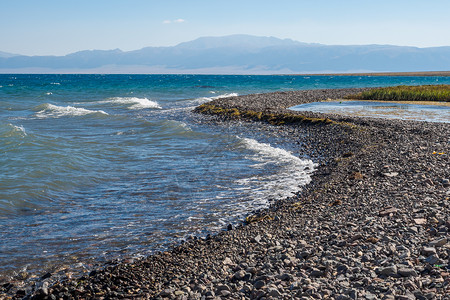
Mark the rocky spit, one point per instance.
(374, 222)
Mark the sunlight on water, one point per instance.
(98, 166)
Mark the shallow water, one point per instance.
(98, 166)
(404, 111)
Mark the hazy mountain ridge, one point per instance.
(243, 54)
(6, 54)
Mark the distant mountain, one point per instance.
(238, 54)
(6, 54)
(237, 41)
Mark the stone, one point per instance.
(389, 271)
(342, 268)
(210, 294)
(223, 287)
(259, 284)
(429, 181)
(274, 293)
(370, 296)
(342, 297)
(388, 211)
(166, 292)
(225, 293)
(317, 273)
(302, 243)
(200, 288)
(256, 239)
(372, 240)
(420, 221)
(439, 242)
(407, 272)
(239, 275)
(432, 259)
(285, 277)
(353, 294)
(390, 174)
(246, 288)
(428, 251)
(227, 261)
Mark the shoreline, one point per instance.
(373, 222)
(407, 74)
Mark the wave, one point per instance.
(202, 100)
(134, 102)
(292, 174)
(20, 130)
(54, 111)
(225, 96)
(10, 130)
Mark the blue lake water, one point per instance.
(98, 166)
(380, 109)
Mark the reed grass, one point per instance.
(439, 93)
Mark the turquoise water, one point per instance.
(98, 166)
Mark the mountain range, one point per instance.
(237, 54)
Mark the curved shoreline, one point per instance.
(373, 223)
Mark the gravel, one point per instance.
(373, 224)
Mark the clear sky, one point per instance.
(59, 27)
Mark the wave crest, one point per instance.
(203, 100)
(54, 111)
(134, 102)
(294, 172)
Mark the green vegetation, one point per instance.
(257, 218)
(440, 93)
(274, 119)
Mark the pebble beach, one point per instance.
(374, 222)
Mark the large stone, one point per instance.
(420, 221)
(239, 275)
(428, 251)
(388, 211)
(439, 242)
(317, 273)
(223, 287)
(389, 271)
(407, 272)
(166, 292)
(259, 284)
(274, 293)
(432, 259)
(390, 174)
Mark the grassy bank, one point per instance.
(440, 93)
(274, 119)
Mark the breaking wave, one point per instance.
(134, 102)
(54, 111)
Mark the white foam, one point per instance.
(10, 130)
(226, 96)
(134, 102)
(20, 129)
(53, 111)
(202, 100)
(292, 172)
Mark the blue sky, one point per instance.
(59, 27)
